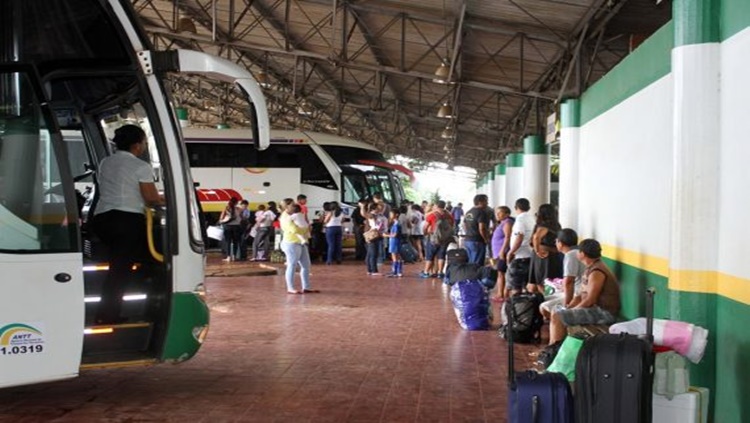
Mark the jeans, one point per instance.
(296, 253)
(374, 248)
(232, 240)
(476, 251)
(361, 248)
(262, 242)
(334, 237)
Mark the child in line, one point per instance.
(394, 245)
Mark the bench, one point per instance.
(585, 331)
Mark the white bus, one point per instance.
(70, 73)
(321, 166)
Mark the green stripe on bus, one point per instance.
(188, 312)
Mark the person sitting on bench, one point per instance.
(599, 300)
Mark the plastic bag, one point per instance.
(471, 304)
(565, 360)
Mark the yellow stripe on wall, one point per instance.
(653, 264)
(699, 281)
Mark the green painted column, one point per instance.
(513, 178)
(536, 174)
(570, 137)
(696, 61)
(182, 116)
(500, 199)
(491, 187)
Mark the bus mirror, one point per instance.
(195, 62)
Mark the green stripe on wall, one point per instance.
(696, 21)
(700, 309)
(644, 66)
(500, 169)
(734, 17)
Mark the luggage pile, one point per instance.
(615, 376)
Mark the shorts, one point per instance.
(436, 251)
(501, 266)
(553, 301)
(518, 273)
(550, 267)
(416, 237)
(585, 316)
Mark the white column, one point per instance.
(535, 171)
(513, 179)
(500, 186)
(570, 136)
(491, 187)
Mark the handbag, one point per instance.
(371, 235)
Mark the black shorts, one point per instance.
(501, 265)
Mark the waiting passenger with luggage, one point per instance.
(599, 299)
(440, 232)
(573, 269)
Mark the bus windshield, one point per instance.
(362, 184)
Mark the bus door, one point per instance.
(42, 313)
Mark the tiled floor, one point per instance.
(366, 349)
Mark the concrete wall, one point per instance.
(637, 164)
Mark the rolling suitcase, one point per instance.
(614, 376)
(537, 397)
(408, 253)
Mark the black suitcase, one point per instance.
(614, 376)
(537, 397)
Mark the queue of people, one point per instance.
(527, 250)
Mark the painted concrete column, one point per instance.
(570, 137)
(491, 186)
(182, 116)
(513, 179)
(535, 171)
(500, 185)
(694, 239)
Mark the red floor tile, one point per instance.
(365, 349)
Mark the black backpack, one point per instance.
(527, 319)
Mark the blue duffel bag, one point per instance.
(471, 303)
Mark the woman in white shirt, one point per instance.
(417, 229)
(334, 235)
(126, 186)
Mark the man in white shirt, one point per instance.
(519, 256)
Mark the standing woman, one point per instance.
(547, 262)
(334, 235)
(500, 248)
(231, 219)
(294, 227)
(376, 223)
(126, 186)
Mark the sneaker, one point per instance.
(424, 275)
(391, 275)
(399, 275)
(376, 274)
(441, 275)
(434, 275)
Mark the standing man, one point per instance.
(302, 201)
(458, 213)
(439, 233)
(477, 230)
(519, 256)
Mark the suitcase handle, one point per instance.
(511, 370)
(535, 409)
(650, 292)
